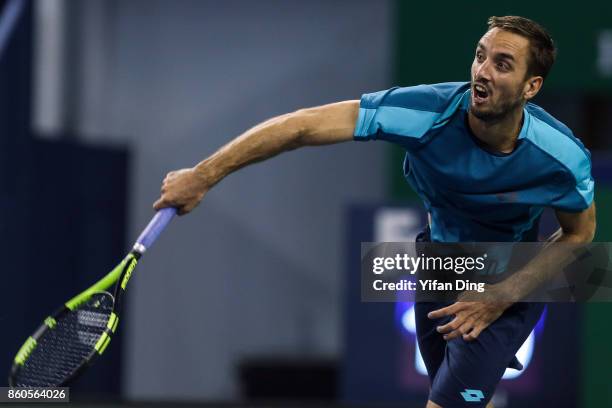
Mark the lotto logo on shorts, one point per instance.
(472, 395)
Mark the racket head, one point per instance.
(65, 344)
(70, 340)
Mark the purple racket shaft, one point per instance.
(157, 224)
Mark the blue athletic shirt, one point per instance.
(471, 193)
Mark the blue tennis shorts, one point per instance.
(465, 373)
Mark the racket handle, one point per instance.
(148, 236)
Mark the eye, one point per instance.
(502, 66)
(479, 57)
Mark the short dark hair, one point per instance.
(541, 46)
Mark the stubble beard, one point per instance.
(496, 113)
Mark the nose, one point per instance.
(483, 71)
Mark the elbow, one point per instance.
(591, 228)
(585, 235)
(590, 233)
(580, 227)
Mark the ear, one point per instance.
(532, 87)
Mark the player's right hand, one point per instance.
(182, 189)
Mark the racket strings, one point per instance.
(63, 349)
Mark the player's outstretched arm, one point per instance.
(474, 312)
(576, 228)
(327, 124)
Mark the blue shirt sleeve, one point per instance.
(578, 197)
(405, 115)
(576, 192)
(579, 193)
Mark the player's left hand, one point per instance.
(473, 313)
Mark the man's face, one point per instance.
(499, 74)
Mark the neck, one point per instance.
(499, 135)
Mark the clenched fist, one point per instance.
(182, 189)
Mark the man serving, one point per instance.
(484, 160)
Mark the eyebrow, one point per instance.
(501, 54)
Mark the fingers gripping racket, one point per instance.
(70, 339)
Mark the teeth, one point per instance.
(480, 88)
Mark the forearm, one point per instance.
(545, 266)
(315, 126)
(184, 189)
(473, 311)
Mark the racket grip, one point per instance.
(148, 236)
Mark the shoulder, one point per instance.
(556, 140)
(431, 98)
(405, 115)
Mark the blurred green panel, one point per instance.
(597, 374)
(435, 41)
(603, 200)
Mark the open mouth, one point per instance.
(480, 93)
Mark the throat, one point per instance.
(498, 136)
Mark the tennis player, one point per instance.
(484, 160)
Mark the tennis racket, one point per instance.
(79, 331)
